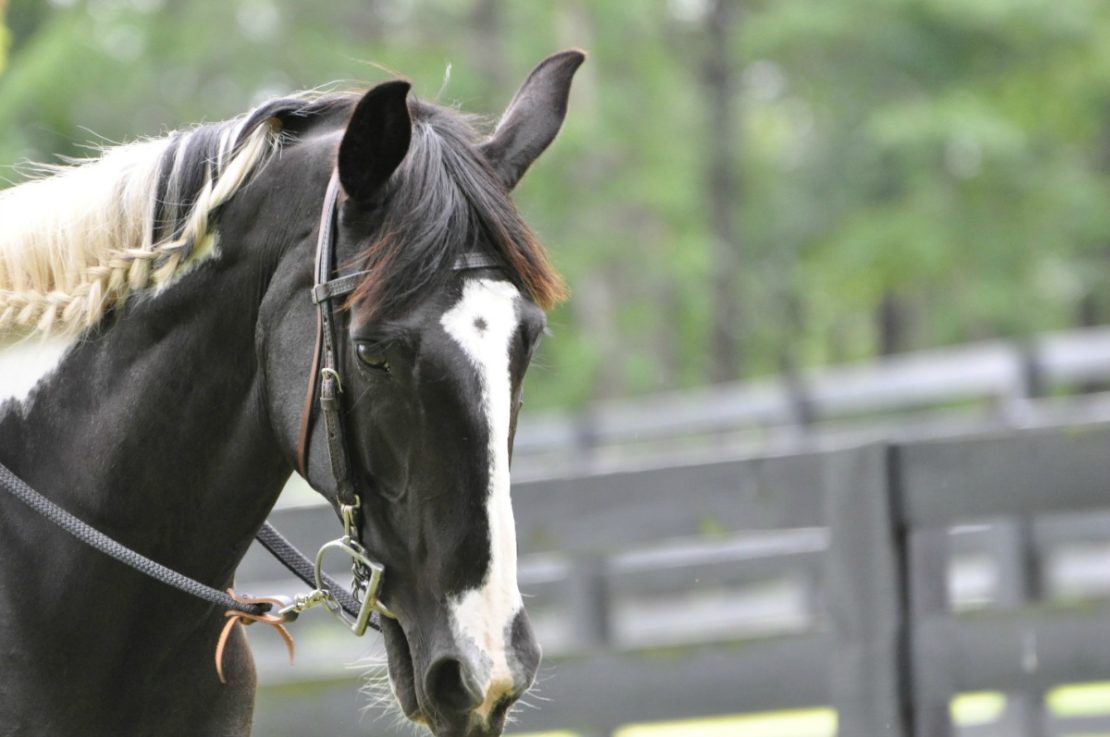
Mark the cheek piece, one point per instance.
(368, 574)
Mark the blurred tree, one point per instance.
(733, 195)
(948, 172)
(4, 40)
(723, 188)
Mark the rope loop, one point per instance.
(237, 616)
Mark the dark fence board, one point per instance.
(889, 657)
(1036, 472)
(612, 688)
(928, 598)
(864, 595)
(1013, 651)
(609, 512)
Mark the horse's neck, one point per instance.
(154, 431)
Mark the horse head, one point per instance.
(431, 359)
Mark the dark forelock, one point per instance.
(443, 201)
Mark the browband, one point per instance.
(344, 285)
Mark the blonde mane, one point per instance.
(82, 238)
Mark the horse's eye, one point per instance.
(372, 356)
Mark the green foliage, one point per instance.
(952, 154)
(5, 36)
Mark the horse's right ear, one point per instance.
(533, 118)
(376, 140)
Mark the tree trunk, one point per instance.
(893, 330)
(1090, 316)
(723, 189)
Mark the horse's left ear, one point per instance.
(533, 118)
(376, 140)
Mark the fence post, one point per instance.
(1019, 584)
(865, 595)
(587, 599)
(928, 597)
(587, 611)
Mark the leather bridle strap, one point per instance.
(327, 216)
(325, 370)
(306, 409)
(328, 369)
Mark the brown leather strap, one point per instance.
(235, 617)
(309, 401)
(323, 247)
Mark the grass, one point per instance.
(801, 723)
(1072, 700)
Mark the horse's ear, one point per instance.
(533, 118)
(376, 140)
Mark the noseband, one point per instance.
(324, 373)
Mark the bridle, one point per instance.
(359, 609)
(368, 573)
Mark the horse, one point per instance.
(157, 308)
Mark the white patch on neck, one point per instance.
(23, 365)
(483, 323)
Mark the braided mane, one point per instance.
(83, 237)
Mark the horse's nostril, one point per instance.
(451, 687)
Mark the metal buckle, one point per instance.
(295, 605)
(325, 372)
(349, 514)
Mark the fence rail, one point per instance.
(994, 384)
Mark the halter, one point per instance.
(368, 574)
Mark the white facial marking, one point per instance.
(25, 363)
(483, 323)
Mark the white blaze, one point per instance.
(483, 323)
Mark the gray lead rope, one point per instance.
(270, 538)
(96, 539)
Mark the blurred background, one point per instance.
(794, 229)
(741, 187)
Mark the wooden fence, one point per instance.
(989, 385)
(869, 534)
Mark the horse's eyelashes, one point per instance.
(530, 340)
